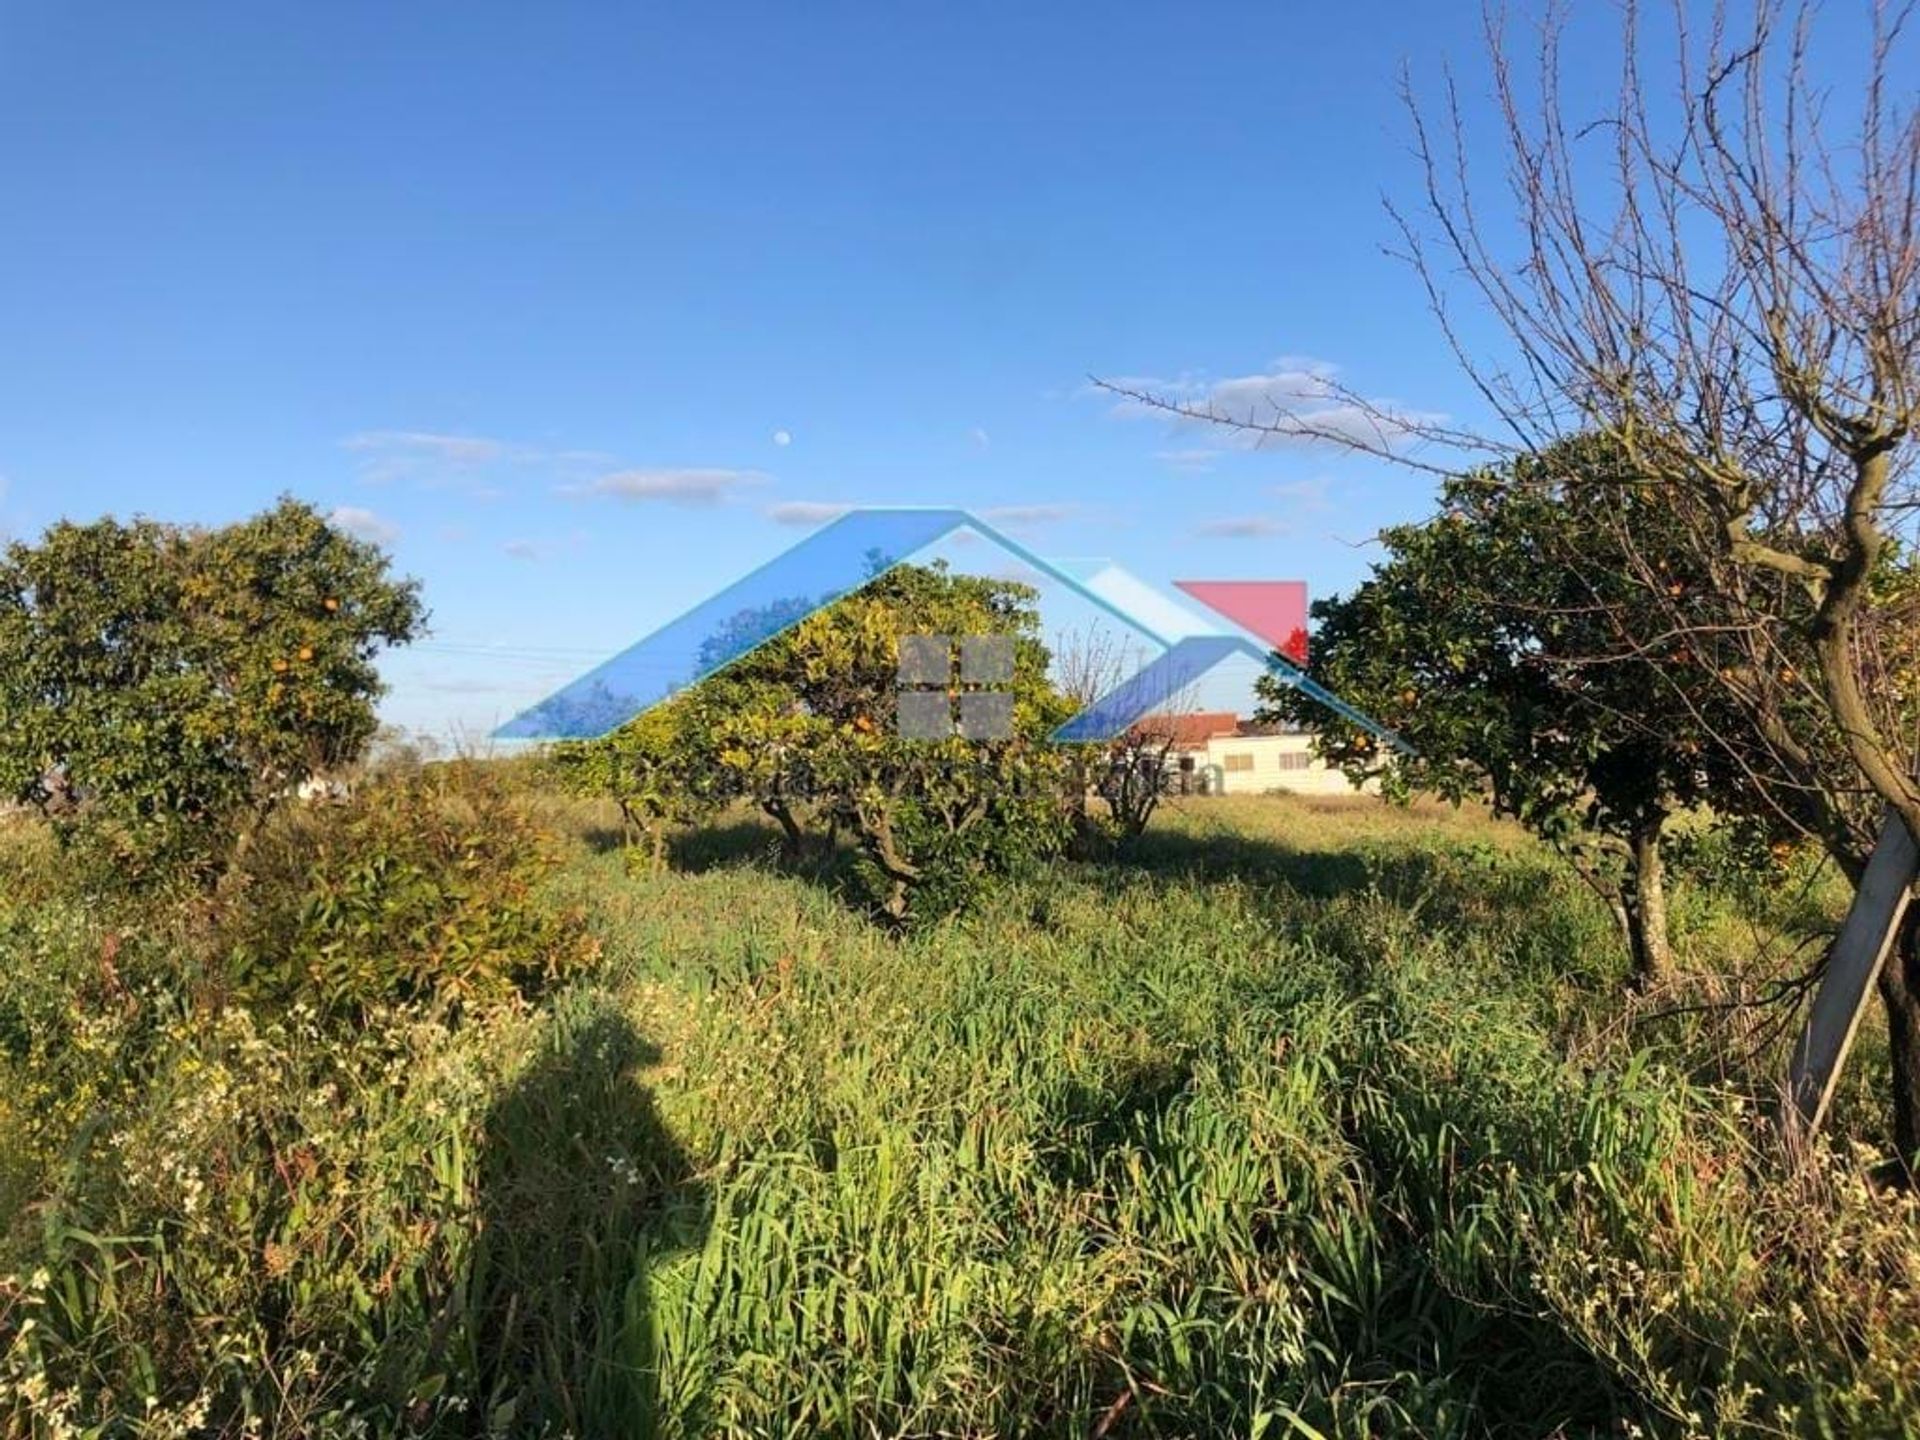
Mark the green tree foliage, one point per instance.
(161, 685)
(933, 820)
(657, 768)
(803, 727)
(1509, 672)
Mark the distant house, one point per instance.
(1215, 752)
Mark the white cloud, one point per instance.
(980, 437)
(434, 460)
(1007, 517)
(454, 449)
(357, 520)
(1018, 517)
(487, 469)
(688, 485)
(1281, 391)
(1241, 527)
(525, 549)
(805, 512)
(1020, 573)
(386, 456)
(1297, 401)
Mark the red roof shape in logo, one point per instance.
(1273, 610)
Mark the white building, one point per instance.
(1215, 752)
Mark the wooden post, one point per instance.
(1852, 966)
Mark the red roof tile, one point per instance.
(1188, 730)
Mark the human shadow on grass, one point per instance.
(1184, 854)
(582, 1191)
(1168, 854)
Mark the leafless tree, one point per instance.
(1130, 772)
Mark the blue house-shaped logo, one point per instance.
(832, 562)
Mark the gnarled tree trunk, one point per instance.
(793, 839)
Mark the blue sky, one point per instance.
(584, 309)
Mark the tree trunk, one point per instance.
(1834, 635)
(876, 838)
(1645, 905)
(793, 838)
(1900, 990)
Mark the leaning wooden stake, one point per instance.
(1852, 967)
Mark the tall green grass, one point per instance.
(1305, 1120)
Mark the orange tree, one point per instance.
(803, 727)
(161, 686)
(1511, 672)
(933, 820)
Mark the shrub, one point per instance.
(425, 889)
(235, 1218)
(804, 728)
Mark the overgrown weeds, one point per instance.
(1290, 1138)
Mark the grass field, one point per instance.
(1315, 1117)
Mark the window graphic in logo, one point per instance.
(947, 685)
(930, 694)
